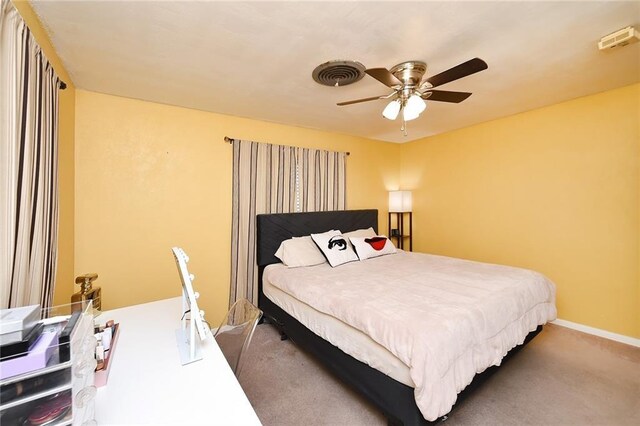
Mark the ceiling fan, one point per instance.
(410, 90)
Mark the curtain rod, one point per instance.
(227, 139)
(63, 85)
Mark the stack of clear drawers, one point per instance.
(63, 391)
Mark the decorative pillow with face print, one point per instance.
(336, 247)
(366, 248)
(369, 232)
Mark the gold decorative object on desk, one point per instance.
(88, 291)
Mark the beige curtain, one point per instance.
(322, 180)
(264, 179)
(276, 179)
(28, 166)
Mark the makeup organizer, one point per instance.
(53, 383)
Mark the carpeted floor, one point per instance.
(562, 377)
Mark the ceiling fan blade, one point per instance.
(361, 100)
(445, 96)
(384, 76)
(467, 68)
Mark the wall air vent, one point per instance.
(338, 73)
(619, 38)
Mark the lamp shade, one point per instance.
(400, 201)
(413, 108)
(391, 110)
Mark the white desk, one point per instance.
(147, 384)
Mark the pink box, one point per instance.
(101, 376)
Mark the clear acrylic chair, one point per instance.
(235, 333)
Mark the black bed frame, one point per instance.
(396, 400)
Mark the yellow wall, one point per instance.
(64, 275)
(555, 189)
(151, 176)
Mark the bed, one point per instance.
(364, 358)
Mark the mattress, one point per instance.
(446, 319)
(351, 341)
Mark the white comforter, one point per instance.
(446, 319)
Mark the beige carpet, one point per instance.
(562, 377)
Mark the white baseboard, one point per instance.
(598, 332)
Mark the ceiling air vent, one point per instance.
(338, 73)
(619, 38)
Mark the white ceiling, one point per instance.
(254, 59)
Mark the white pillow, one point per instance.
(336, 247)
(299, 251)
(367, 248)
(369, 232)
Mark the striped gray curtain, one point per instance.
(28, 166)
(276, 179)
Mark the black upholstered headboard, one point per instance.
(275, 228)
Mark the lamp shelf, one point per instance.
(399, 233)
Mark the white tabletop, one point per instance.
(147, 383)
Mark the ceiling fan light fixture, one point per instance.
(392, 110)
(410, 89)
(413, 108)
